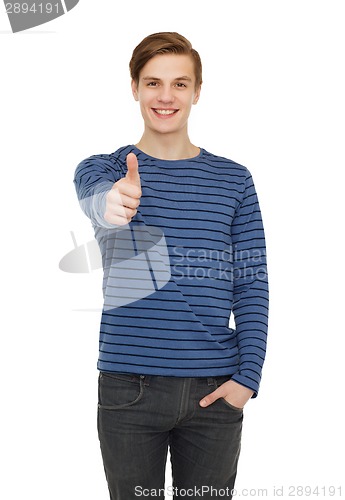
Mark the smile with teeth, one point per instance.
(165, 111)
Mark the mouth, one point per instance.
(164, 113)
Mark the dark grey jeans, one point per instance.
(140, 416)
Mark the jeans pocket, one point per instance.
(219, 381)
(236, 408)
(119, 390)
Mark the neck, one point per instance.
(167, 146)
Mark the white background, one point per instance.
(273, 100)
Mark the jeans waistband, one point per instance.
(146, 379)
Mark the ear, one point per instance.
(197, 95)
(134, 90)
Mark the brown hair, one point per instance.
(167, 42)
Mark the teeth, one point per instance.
(164, 111)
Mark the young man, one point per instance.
(183, 245)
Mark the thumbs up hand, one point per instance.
(123, 199)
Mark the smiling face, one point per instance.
(166, 92)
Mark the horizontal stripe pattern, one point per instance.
(193, 253)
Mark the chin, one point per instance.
(162, 129)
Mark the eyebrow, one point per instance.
(183, 78)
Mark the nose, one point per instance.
(166, 94)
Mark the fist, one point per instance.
(123, 199)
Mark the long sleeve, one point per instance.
(181, 327)
(250, 285)
(93, 178)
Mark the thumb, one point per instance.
(133, 169)
(211, 398)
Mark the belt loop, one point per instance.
(145, 379)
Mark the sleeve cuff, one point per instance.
(246, 382)
(94, 206)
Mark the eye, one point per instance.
(182, 85)
(150, 84)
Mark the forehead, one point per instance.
(169, 66)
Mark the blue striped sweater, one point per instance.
(193, 254)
